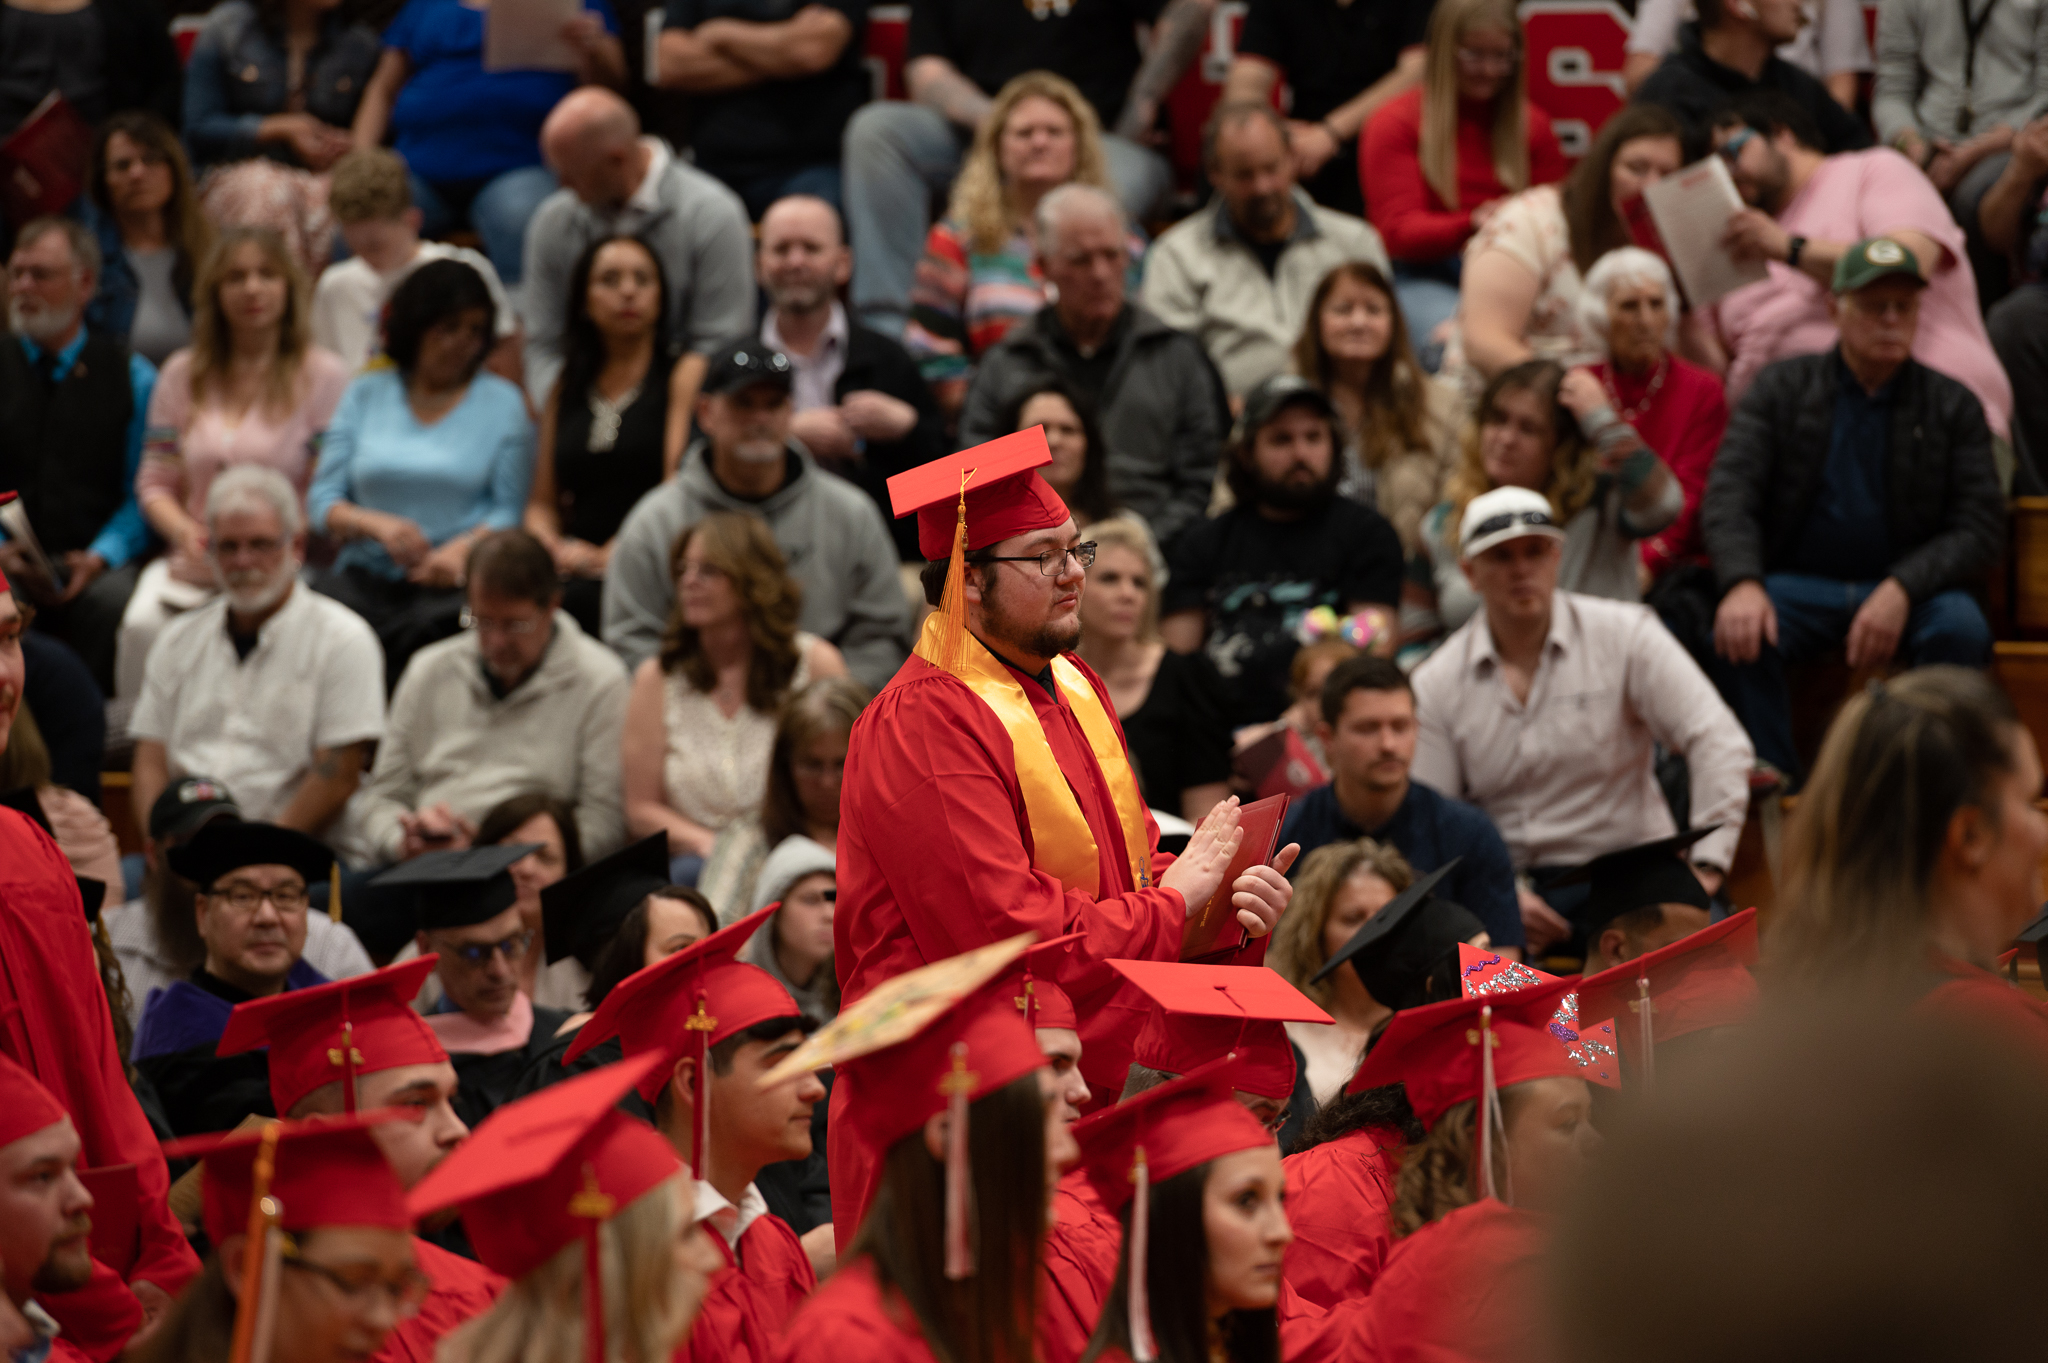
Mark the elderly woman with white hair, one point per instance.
(1631, 305)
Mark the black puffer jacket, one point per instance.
(1945, 512)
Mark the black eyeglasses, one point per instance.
(1495, 524)
(513, 949)
(1053, 560)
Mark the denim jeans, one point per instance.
(1428, 295)
(1814, 614)
(898, 155)
(496, 209)
(759, 192)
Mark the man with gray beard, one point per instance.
(271, 688)
(743, 458)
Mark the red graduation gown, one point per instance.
(63, 1034)
(753, 1297)
(1339, 1194)
(463, 1289)
(935, 859)
(1975, 997)
(1464, 1289)
(1078, 1267)
(849, 1320)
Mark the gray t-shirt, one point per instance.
(160, 325)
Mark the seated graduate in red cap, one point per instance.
(1196, 1182)
(1913, 858)
(957, 1108)
(357, 1046)
(56, 1024)
(1701, 982)
(988, 787)
(1509, 1131)
(715, 1026)
(587, 1211)
(312, 1247)
(44, 1212)
(469, 920)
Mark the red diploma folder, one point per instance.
(1216, 926)
(116, 1228)
(43, 163)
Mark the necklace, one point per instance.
(1629, 414)
(605, 416)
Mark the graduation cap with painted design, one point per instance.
(1485, 973)
(462, 886)
(968, 501)
(683, 1005)
(1201, 1013)
(582, 911)
(337, 1032)
(1406, 953)
(1697, 982)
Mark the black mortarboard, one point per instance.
(580, 913)
(460, 887)
(226, 845)
(93, 893)
(2035, 931)
(1635, 878)
(1405, 944)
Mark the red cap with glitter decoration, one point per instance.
(1485, 973)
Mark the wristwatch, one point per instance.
(1793, 250)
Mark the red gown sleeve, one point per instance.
(1079, 1265)
(463, 1289)
(846, 1321)
(1461, 1290)
(1339, 1195)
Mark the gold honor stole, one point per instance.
(1063, 845)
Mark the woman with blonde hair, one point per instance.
(1553, 431)
(1443, 156)
(700, 720)
(980, 275)
(1171, 705)
(1400, 425)
(251, 388)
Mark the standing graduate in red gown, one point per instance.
(1914, 857)
(357, 1046)
(957, 1109)
(988, 788)
(717, 1025)
(62, 1033)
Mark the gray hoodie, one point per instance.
(793, 858)
(829, 530)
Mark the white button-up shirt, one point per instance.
(730, 1222)
(816, 374)
(1570, 774)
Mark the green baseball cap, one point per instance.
(1872, 259)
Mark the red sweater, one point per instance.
(1416, 224)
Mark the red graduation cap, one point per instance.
(1154, 1136)
(967, 501)
(1038, 994)
(26, 1107)
(928, 1041)
(1697, 982)
(682, 1006)
(295, 1175)
(1201, 1013)
(337, 1031)
(1485, 973)
(544, 1172)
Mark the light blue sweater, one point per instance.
(470, 468)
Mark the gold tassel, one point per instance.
(334, 890)
(952, 647)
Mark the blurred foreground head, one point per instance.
(1828, 1185)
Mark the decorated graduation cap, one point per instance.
(683, 1005)
(337, 1031)
(968, 501)
(931, 1040)
(1415, 938)
(1485, 973)
(225, 845)
(1039, 997)
(1468, 1050)
(1636, 878)
(460, 887)
(1203, 1012)
(1154, 1136)
(26, 1107)
(581, 912)
(1697, 982)
(546, 1171)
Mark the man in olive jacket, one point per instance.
(1853, 503)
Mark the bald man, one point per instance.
(863, 408)
(617, 182)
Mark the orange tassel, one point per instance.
(262, 1216)
(952, 648)
(958, 1086)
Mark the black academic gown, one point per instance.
(485, 1083)
(174, 1050)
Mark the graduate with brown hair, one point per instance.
(988, 787)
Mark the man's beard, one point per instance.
(800, 297)
(252, 592)
(1288, 495)
(1045, 639)
(762, 451)
(40, 324)
(63, 1275)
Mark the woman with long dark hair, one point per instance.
(1079, 471)
(151, 231)
(1197, 1183)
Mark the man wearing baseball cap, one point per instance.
(1545, 709)
(1854, 505)
(741, 457)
